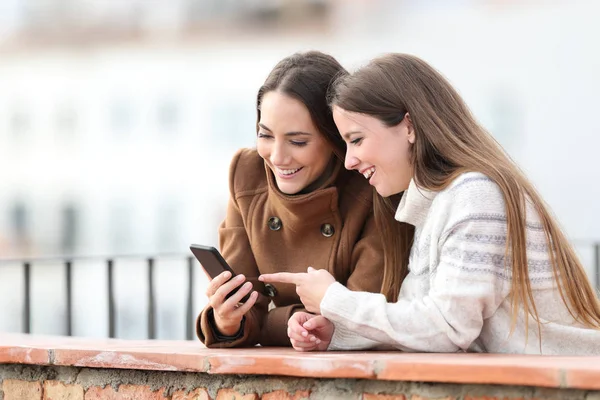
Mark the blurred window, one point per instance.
(505, 118)
(169, 233)
(19, 222)
(69, 226)
(121, 227)
(201, 10)
(234, 122)
(66, 120)
(168, 115)
(121, 117)
(20, 122)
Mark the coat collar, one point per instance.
(414, 205)
(306, 208)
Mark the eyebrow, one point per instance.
(292, 133)
(347, 135)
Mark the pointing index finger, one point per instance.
(282, 277)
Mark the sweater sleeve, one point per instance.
(466, 286)
(345, 338)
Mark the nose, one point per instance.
(278, 154)
(351, 162)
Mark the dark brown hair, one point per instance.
(449, 142)
(307, 78)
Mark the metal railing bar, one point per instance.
(27, 297)
(151, 301)
(111, 299)
(69, 296)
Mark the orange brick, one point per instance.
(497, 398)
(372, 396)
(21, 390)
(198, 394)
(125, 392)
(417, 397)
(55, 390)
(230, 394)
(283, 395)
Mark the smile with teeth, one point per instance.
(368, 173)
(288, 172)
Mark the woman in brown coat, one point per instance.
(292, 206)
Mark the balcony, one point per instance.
(44, 367)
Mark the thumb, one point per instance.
(311, 269)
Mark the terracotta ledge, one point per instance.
(159, 355)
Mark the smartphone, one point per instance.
(213, 263)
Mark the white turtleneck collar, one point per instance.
(414, 205)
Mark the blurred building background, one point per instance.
(118, 119)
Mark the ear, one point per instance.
(411, 129)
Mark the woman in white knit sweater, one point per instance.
(488, 268)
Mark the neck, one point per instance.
(321, 179)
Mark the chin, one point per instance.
(288, 189)
(383, 192)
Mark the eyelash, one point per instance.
(356, 141)
(293, 142)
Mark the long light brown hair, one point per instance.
(449, 141)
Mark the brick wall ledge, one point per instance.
(192, 356)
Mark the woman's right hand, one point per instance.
(309, 332)
(228, 313)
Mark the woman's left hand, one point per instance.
(310, 286)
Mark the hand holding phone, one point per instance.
(229, 307)
(214, 264)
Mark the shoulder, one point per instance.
(247, 173)
(472, 194)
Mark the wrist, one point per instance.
(227, 328)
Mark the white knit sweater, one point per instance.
(455, 297)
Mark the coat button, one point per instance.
(270, 290)
(274, 224)
(327, 230)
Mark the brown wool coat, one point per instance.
(253, 243)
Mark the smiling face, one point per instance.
(290, 143)
(380, 153)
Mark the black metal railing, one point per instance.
(67, 262)
(151, 311)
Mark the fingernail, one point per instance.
(247, 285)
(260, 278)
(305, 334)
(318, 341)
(227, 274)
(307, 325)
(240, 278)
